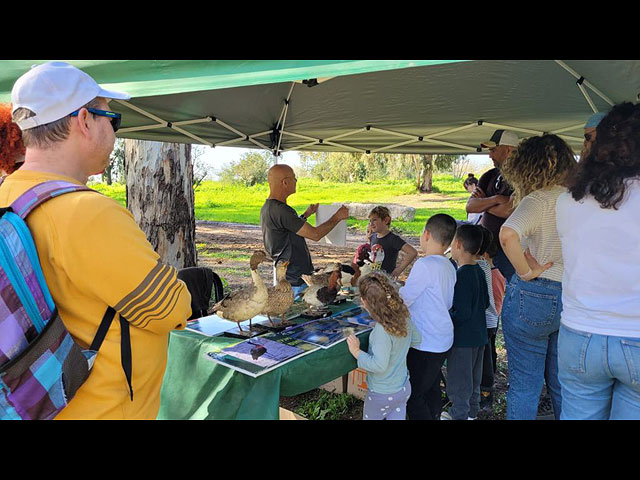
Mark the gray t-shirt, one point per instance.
(279, 223)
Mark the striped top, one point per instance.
(491, 313)
(534, 219)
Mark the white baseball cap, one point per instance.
(501, 137)
(54, 90)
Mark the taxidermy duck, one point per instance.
(247, 302)
(319, 295)
(374, 262)
(280, 296)
(322, 275)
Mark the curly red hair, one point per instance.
(11, 145)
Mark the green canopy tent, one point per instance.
(368, 106)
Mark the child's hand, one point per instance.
(354, 345)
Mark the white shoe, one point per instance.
(445, 416)
(474, 418)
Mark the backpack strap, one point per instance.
(38, 195)
(125, 342)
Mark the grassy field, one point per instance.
(234, 203)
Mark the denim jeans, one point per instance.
(600, 376)
(299, 289)
(530, 324)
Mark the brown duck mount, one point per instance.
(279, 297)
(247, 302)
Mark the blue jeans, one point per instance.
(530, 323)
(600, 376)
(299, 289)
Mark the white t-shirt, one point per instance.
(601, 253)
(428, 292)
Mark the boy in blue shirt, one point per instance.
(470, 301)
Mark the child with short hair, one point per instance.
(392, 244)
(470, 301)
(386, 360)
(428, 292)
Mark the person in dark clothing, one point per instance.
(470, 300)
(284, 232)
(492, 195)
(392, 244)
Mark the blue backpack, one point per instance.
(41, 366)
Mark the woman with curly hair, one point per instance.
(11, 146)
(389, 342)
(539, 171)
(599, 340)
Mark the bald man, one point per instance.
(284, 232)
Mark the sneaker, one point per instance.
(472, 418)
(445, 416)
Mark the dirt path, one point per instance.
(225, 248)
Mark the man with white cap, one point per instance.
(92, 252)
(492, 195)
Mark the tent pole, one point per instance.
(575, 74)
(283, 117)
(586, 95)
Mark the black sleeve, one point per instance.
(461, 309)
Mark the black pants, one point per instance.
(489, 362)
(425, 402)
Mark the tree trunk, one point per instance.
(418, 165)
(160, 197)
(427, 178)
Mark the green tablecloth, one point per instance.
(197, 388)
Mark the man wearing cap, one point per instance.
(92, 252)
(590, 132)
(492, 195)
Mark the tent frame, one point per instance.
(276, 134)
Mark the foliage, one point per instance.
(327, 406)
(201, 170)
(115, 173)
(250, 170)
(357, 167)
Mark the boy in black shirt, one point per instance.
(380, 220)
(470, 300)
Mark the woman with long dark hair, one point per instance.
(599, 340)
(539, 170)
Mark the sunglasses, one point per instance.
(116, 118)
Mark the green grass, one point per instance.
(233, 255)
(235, 203)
